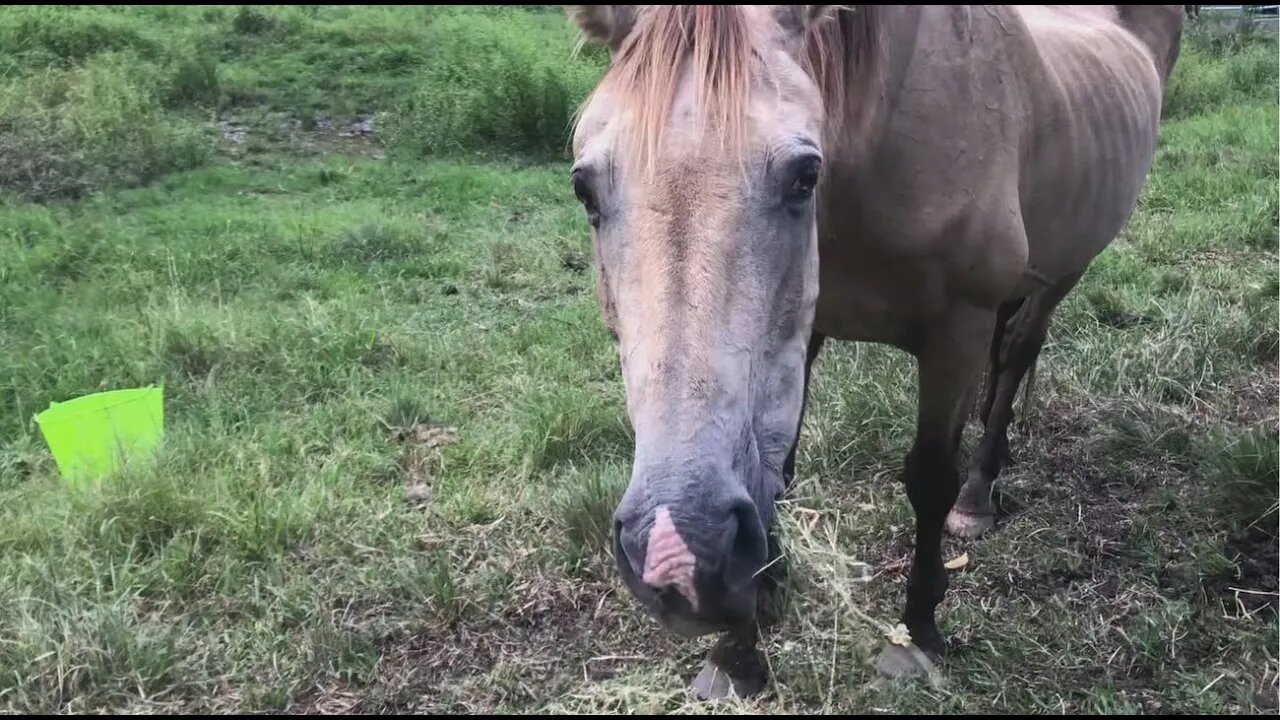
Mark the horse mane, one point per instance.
(844, 56)
(722, 44)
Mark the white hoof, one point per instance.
(964, 525)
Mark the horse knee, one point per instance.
(932, 482)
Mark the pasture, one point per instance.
(344, 240)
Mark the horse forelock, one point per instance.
(717, 45)
(722, 48)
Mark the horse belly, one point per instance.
(1089, 159)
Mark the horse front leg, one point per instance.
(735, 664)
(950, 359)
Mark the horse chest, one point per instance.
(868, 295)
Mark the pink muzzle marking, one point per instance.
(668, 560)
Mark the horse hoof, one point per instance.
(714, 683)
(897, 662)
(964, 525)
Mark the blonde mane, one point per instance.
(722, 46)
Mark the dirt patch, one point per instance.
(1253, 586)
(421, 456)
(1059, 451)
(233, 131)
(356, 136)
(549, 640)
(1104, 503)
(1252, 398)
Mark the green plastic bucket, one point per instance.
(95, 435)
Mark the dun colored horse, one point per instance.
(761, 178)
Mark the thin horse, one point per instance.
(759, 179)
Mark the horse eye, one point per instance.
(583, 190)
(806, 179)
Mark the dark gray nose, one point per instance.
(705, 558)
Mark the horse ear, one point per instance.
(795, 20)
(608, 25)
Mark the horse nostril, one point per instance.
(630, 554)
(747, 549)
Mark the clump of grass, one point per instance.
(95, 657)
(406, 412)
(1217, 69)
(1243, 466)
(341, 652)
(564, 425)
(65, 133)
(1257, 333)
(1141, 436)
(194, 80)
(494, 84)
(39, 37)
(584, 506)
(376, 242)
(248, 20)
(137, 516)
(1110, 309)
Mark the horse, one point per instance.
(759, 180)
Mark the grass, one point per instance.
(396, 425)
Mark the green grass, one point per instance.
(105, 98)
(396, 426)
